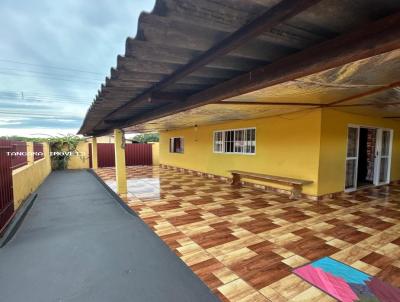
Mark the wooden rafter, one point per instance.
(274, 16)
(367, 104)
(371, 39)
(364, 94)
(266, 103)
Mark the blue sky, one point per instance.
(54, 55)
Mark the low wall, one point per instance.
(28, 178)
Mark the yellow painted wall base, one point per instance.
(308, 145)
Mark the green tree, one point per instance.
(146, 137)
(62, 147)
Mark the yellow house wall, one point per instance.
(27, 179)
(334, 147)
(108, 139)
(309, 145)
(80, 161)
(285, 146)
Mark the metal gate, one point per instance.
(105, 155)
(6, 189)
(135, 155)
(138, 154)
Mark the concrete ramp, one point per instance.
(77, 243)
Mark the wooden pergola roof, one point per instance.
(190, 53)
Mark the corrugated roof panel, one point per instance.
(178, 31)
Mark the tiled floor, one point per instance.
(243, 243)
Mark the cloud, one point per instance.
(33, 123)
(72, 34)
(37, 132)
(11, 121)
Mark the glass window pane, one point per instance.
(218, 143)
(385, 142)
(229, 136)
(181, 145)
(239, 142)
(350, 173)
(384, 170)
(352, 142)
(176, 145)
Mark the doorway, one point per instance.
(368, 157)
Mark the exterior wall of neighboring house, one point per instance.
(28, 178)
(108, 139)
(285, 146)
(309, 145)
(332, 164)
(80, 161)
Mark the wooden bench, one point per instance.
(296, 184)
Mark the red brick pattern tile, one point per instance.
(243, 243)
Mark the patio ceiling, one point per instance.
(369, 87)
(188, 54)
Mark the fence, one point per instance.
(6, 189)
(38, 151)
(105, 155)
(138, 154)
(18, 152)
(135, 155)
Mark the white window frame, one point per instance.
(172, 139)
(244, 147)
(222, 141)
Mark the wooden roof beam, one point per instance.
(371, 39)
(367, 104)
(273, 17)
(267, 103)
(364, 94)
